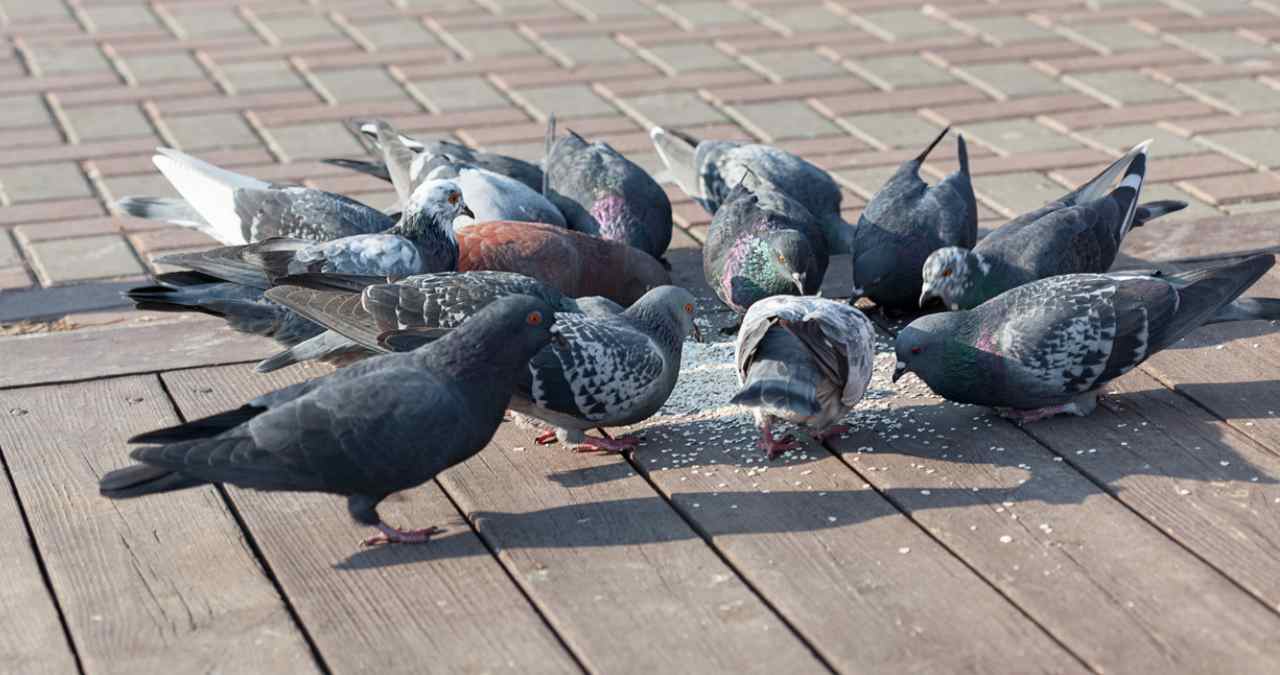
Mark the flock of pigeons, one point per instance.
(495, 285)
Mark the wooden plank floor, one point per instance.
(934, 538)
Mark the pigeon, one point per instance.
(381, 426)
(762, 243)
(380, 308)
(708, 170)
(804, 360)
(576, 264)
(904, 222)
(1077, 233)
(1047, 347)
(231, 279)
(437, 151)
(494, 196)
(235, 210)
(602, 193)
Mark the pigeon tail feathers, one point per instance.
(922, 156)
(1098, 186)
(209, 190)
(678, 152)
(142, 479)
(1152, 210)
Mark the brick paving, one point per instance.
(1047, 91)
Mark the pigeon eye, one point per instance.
(782, 259)
(946, 272)
(916, 350)
(534, 318)
(454, 197)
(688, 308)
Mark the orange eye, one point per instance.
(534, 318)
(946, 272)
(454, 197)
(688, 308)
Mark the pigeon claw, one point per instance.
(617, 444)
(391, 535)
(546, 438)
(774, 448)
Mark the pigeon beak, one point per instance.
(798, 278)
(898, 371)
(466, 211)
(925, 295)
(559, 340)
(697, 333)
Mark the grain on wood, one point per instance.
(446, 606)
(156, 584)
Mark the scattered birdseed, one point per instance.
(1004, 539)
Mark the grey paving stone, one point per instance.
(301, 28)
(356, 84)
(461, 93)
(1010, 29)
(108, 121)
(1226, 45)
(905, 24)
(120, 17)
(1127, 87)
(212, 131)
(101, 257)
(1167, 144)
(23, 111)
(796, 64)
(162, 67)
(1118, 37)
(567, 101)
(492, 42)
(28, 11)
(673, 109)
(530, 152)
(691, 56)
(315, 141)
(61, 180)
(1243, 94)
(56, 59)
(1260, 145)
(895, 130)
(392, 34)
(801, 18)
(865, 181)
(589, 50)
(202, 23)
(904, 71)
(612, 8)
(1021, 135)
(1015, 80)
(9, 255)
(700, 14)
(1195, 208)
(252, 76)
(1021, 192)
(783, 120)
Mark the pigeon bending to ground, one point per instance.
(804, 360)
(1078, 233)
(231, 279)
(1047, 347)
(578, 265)
(762, 243)
(600, 192)
(435, 152)
(707, 171)
(494, 196)
(375, 310)
(234, 209)
(907, 220)
(381, 426)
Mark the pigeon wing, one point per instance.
(604, 371)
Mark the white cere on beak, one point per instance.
(901, 365)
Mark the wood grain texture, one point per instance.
(1111, 588)
(446, 606)
(164, 584)
(624, 581)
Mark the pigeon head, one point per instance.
(436, 203)
(506, 333)
(791, 256)
(921, 347)
(671, 310)
(953, 274)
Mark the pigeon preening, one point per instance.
(381, 426)
(235, 209)
(904, 222)
(230, 280)
(600, 192)
(708, 171)
(576, 264)
(762, 243)
(376, 311)
(434, 152)
(803, 360)
(1047, 347)
(1077, 233)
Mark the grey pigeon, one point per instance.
(382, 426)
(423, 241)
(804, 360)
(376, 310)
(904, 222)
(762, 243)
(1077, 233)
(707, 171)
(602, 193)
(235, 209)
(1047, 347)
(493, 196)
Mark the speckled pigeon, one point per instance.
(235, 210)
(600, 192)
(904, 222)
(762, 243)
(1077, 233)
(381, 426)
(708, 171)
(804, 360)
(1047, 347)
(374, 309)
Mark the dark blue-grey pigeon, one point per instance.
(380, 312)
(365, 432)
(1077, 233)
(761, 243)
(1048, 347)
(602, 193)
(804, 360)
(905, 221)
(708, 171)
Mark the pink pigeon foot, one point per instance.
(1080, 407)
(546, 438)
(774, 448)
(391, 535)
(619, 444)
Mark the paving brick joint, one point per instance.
(1047, 91)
